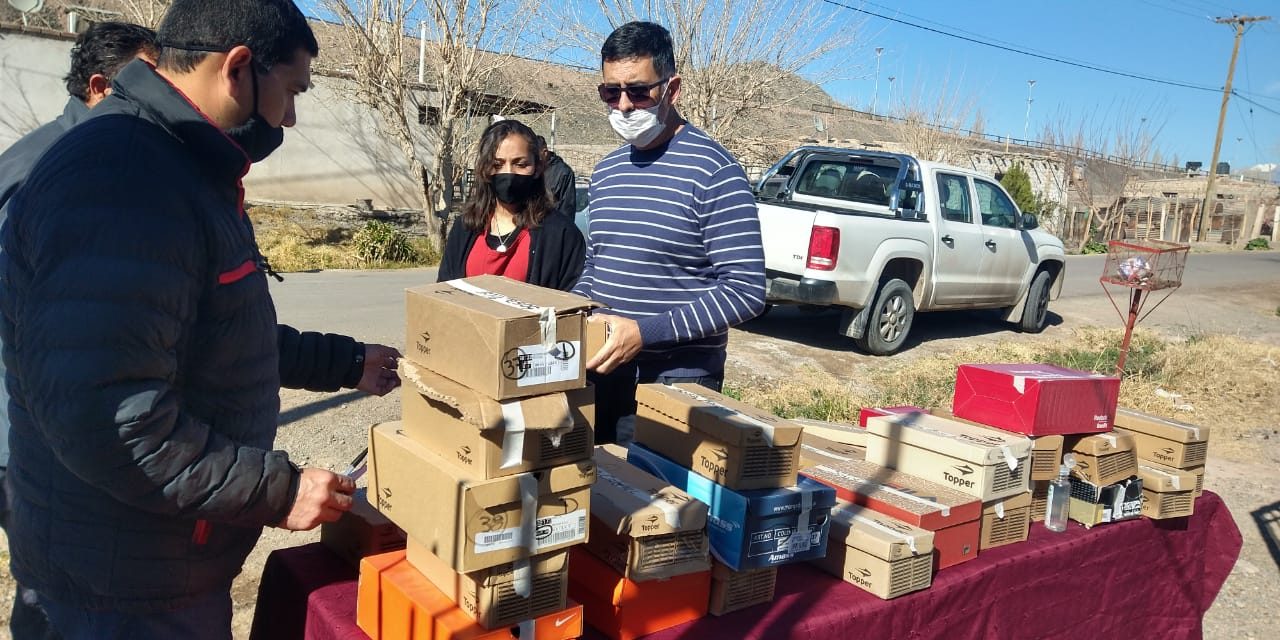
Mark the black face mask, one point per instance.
(256, 136)
(513, 188)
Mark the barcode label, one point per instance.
(561, 363)
(552, 531)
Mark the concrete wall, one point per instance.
(334, 155)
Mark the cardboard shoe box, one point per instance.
(501, 337)
(878, 554)
(1166, 492)
(732, 443)
(1046, 451)
(951, 515)
(361, 532)
(470, 522)
(503, 595)
(987, 464)
(642, 526)
(1035, 399)
(839, 432)
(1092, 505)
(622, 609)
(1005, 521)
(752, 529)
(816, 450)
(734, 590)
(1168, 442)
(396, 602)
(1103, 459)
(489, 438)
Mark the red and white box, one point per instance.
(866, 413)
(1036, 399)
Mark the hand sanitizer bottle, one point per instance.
(1059, 503)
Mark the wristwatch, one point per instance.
(357, 367)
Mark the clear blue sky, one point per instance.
(1167, 39)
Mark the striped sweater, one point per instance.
(674, 243)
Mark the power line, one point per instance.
(1256, 103)
(1027, 52)
(1170, 9)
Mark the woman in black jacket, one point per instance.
(508, 226)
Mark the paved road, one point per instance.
(370, 304)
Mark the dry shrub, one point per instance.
(287, 253)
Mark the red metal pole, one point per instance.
(1135, 303)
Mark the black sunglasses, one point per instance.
(638, 94)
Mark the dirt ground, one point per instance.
(789, 342)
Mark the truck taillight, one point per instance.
(824, 248)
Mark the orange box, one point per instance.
(624, 610)
(409, 607)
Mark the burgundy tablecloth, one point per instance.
(1137, 579)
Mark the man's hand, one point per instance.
(623, 344)
(379, 370)
(322, 497)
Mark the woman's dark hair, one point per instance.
(105, 48)
(274, 30)
(641, 40)
(482, 199)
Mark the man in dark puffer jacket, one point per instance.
(143, 351)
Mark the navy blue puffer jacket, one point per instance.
(142, 352)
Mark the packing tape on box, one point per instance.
(1009, 459)
(946, 511)
(547, 323)
(528, 518)
(512, 434)
(655, 500)
(847, 518)
(824, 453)
(1173, 479)
(1195, 431)
(799, 541)
(1000, 510)
(1111, 438)
(765, 427)
(546, 315)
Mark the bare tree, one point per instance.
(928, 122)
(144, 12)
(467, 43)
(737, 58)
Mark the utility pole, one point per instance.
(1239, 23)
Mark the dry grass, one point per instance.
(1225, 382)
(292, 241)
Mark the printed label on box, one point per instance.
(548, 532)
(784, 540)
(535, 364)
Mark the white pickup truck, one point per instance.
(885, 235)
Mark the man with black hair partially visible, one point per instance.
(144, 357)
(561, 182)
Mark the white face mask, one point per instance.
(640, 127)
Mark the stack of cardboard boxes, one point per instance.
(742, 463)
(1171, 459)
(645, 567)
(489, 472)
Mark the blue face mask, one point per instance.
(256, 136)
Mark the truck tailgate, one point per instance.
(785, 234)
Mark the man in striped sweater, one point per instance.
(674, 244)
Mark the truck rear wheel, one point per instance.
(1036, 311)
(890, 319)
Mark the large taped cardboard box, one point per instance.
(622, 609)
(642, 526)
(1005, 521)
(1092, 505)
(840, 432)
(1035, 399)
(952, 516)
(501, 337)
(471, 522)
(362, 531)
(878, 554)
(735, 590)
(1168, 442)
(816, 450)
(490, 438)
(1046, 451)
(756, 528)
(732, 443)
(1166, 492)
(492, 597)
(985, 463)
(1104, 458)
(866, 413)
(408, 606)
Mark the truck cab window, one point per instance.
(953, 198)
(997, 210)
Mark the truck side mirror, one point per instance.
(1029, 221)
